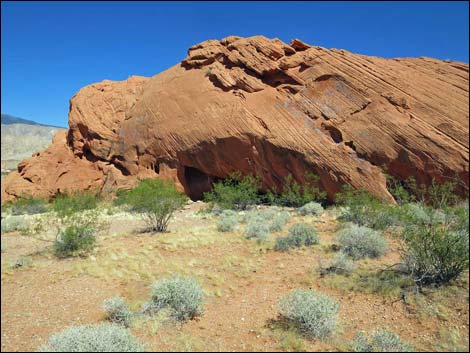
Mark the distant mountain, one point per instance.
(21, 138)
(10, 119)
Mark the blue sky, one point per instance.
(52, 49)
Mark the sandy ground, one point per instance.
(243, 282)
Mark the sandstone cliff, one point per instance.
(262, 106)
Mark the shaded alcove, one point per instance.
(197, 182)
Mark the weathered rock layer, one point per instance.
(260, 106)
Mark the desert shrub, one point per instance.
(22, 262)
(237, 192)
(27, 205)
(380, 341)
(436, 250)
(311, 208)
(260, 215)
(313, 314)
(216, 210)
(282, 244)
(13, 223)
(279, 221)
(419, 213)
(303, 234)
(66, 205)
(156, 200)
(117, 311)
(93, 338)
(341, 264)
(74, 240)
(358, 242)
(258, 229)
(363, 209)
(183, 296)
(296, 195)
(460, 217)
(274, 217)
(300, 234)
(227, 221)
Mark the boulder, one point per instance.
(260, 106)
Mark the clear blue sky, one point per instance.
(52, 49)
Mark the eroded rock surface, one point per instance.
(261, 106)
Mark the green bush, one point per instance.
(156, 200)
(93, 338)
(300, 234)
(66, 205)
(183, 296)
(237, 192)
(363, 209)
(27, 205)
(436, 249)
(13, 223)
(74, 240)
(401, 190)
(313, 314)
(380, 341)
(358, 242)
(117, 311)
(227, 221)
(296, 195)
(311, 208)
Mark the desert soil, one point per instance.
(243, 282)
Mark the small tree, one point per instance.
(156, 200)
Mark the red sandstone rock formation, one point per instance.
(261, 106)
